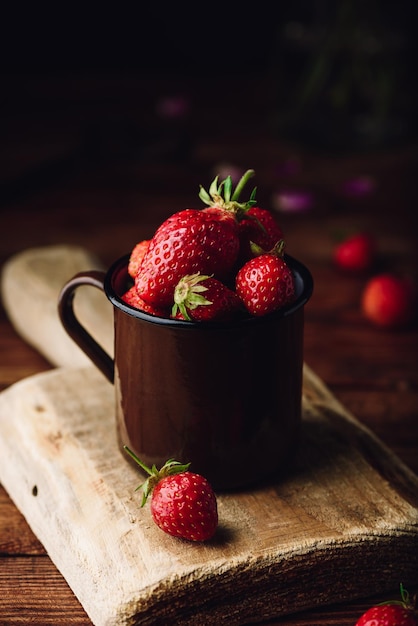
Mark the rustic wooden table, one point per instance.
(94, 161)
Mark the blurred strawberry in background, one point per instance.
(356, 253)
(389, 301)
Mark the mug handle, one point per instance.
(77, 332)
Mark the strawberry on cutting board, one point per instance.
(183, 504)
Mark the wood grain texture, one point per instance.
(277, 548)
(25, 600)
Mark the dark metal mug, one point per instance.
(225, 397)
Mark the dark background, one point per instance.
(338, 75)
(210, 38)
(140, 36)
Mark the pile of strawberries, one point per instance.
(220, 262)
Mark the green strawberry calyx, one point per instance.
(188, 294)
(170, 468)
(223, 195)
(277, 250)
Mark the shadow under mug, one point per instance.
(225, 397)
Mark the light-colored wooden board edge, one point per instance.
(256, 593)
(31, 281)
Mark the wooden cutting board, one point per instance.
(343, 524)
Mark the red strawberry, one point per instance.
(189, 241)
(396, 613)
(387, 615)
(255, 224)
(356, 253)
(132, 298)
(260, 227)
(202, 298)
(136, 257)
(388, 301)
(266, 283)
(183, 504)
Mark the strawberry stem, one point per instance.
(227, 186)
(405, 601)
(241, 184)
(404, 594)
(169, 468)
(138, 461)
